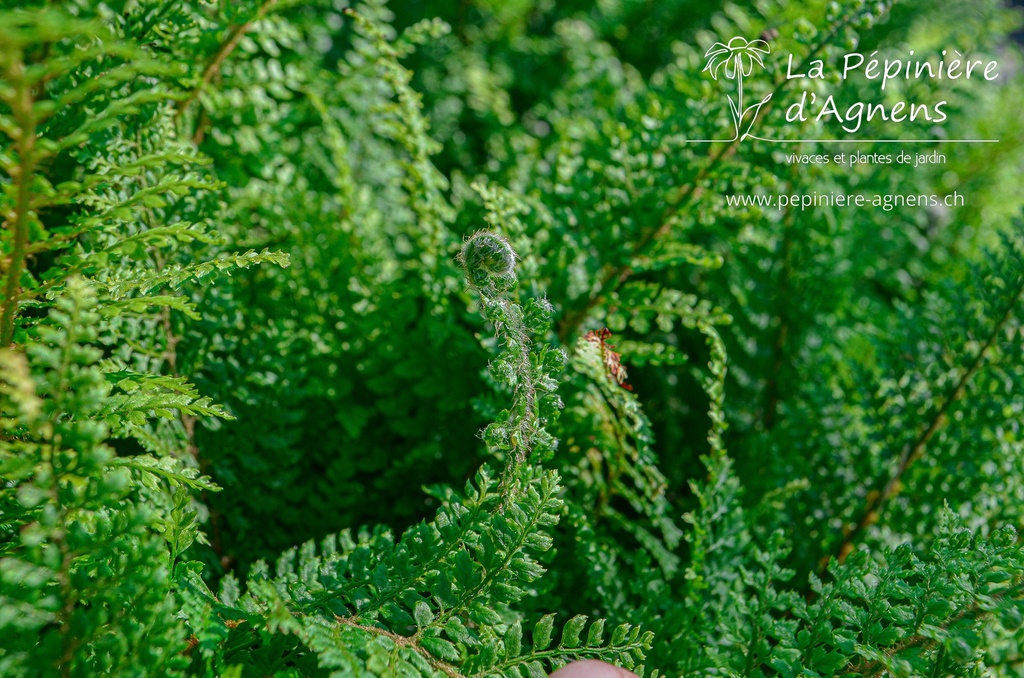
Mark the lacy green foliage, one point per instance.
(85, 578)
(115, 193)
(100, 203)
(351, 349)
(325, 256)
(443, 598)
(489, 259)
(438, 601)
(895, 613)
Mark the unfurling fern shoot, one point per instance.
(489, 259)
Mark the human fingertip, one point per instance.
(592, 668)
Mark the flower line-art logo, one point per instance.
(738, 58)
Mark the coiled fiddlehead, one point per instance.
(489, 259)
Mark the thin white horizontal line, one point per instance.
(877, 141)
(847, 141)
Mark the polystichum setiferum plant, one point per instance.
(241, 312)
(441, 598)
